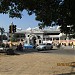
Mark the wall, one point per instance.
(65, 41)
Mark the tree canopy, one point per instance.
(46, 11)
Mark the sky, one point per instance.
(25, 22)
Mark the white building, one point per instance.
(37, 36)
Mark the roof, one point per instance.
(48, 31)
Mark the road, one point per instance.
(66, 50)
(60, 51)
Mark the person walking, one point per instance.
(72, 45)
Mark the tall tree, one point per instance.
(45, 11)
(67, 16)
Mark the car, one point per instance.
(44, 46)
(28, 46)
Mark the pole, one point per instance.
(11, 38)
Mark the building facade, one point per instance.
(37, 36)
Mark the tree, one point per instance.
(67, 16)
(46, 11)
(41, 25)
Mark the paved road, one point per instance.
(67, 50)
(59, 51)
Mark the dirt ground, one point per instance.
(35, 64)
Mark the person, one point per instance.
(72, 45)
(17, 48)
(58, 45)
(7, 45)
(20, 47)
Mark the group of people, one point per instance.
(58, 45)
(18, 47)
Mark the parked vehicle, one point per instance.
(44, 46)
(28, 46)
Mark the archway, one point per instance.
(33, 39)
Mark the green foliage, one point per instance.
(66, 13)
(45, 11)
(41, 25)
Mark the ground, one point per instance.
(36, 63)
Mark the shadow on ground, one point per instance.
(59, 51)
(54, 51)
(72, 73)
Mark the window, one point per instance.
(38, 37)
(51, 33)
(39, 41)
(48, 44)
(28, 35)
